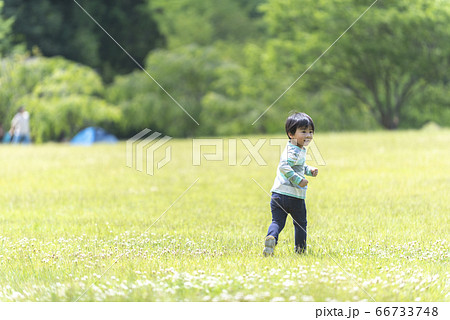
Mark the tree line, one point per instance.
(225, 63)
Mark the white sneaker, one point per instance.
(269, 244)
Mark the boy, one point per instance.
(289, 188)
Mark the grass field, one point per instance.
(77, 223)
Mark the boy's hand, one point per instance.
(303, 183)
(314, 172)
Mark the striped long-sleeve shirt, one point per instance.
(291, 170)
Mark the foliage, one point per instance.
(200, 80)
(61, 96)
(395, 51)
(62, 28)
(199, 22)
(238, 67)
(432, 105)
(5, 32)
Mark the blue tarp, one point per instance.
(92, 135)
(6, 138)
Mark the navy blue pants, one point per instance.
(281, 205)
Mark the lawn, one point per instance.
(77, 224)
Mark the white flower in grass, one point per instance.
(238, 296)
(249, 298)
(225, 297)
(249, 286)
(273, 272)
(16, 295)
(307, 298)
(277, 299)
(171, 290)
(288, 283)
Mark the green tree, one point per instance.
(199, 22)
(389, 57)
(5, 29)
(62, 96)
(62, 28)
(186, 73)
(5, 32)
(205, 83)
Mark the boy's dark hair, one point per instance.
(298, 120)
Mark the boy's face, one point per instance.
(302, 137)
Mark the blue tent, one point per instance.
(92, 135)
(6, 138)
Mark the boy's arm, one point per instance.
(311, 171)
(289, 173)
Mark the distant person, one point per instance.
(289, 188)
(20, 127)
